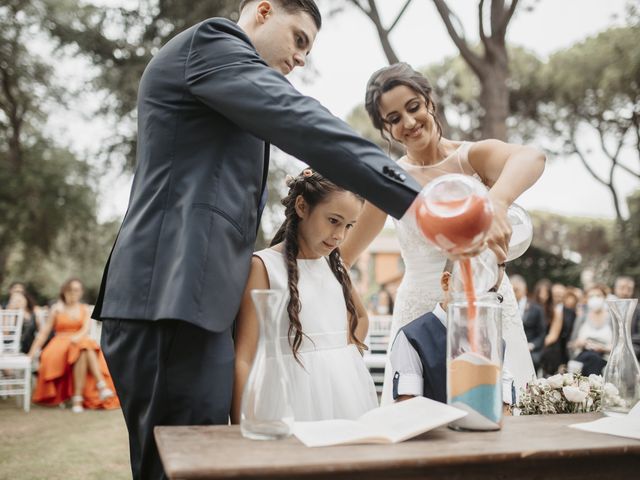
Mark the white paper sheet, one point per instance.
(624, 426)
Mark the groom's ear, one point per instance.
(263, 10)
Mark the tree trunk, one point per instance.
(494, 99)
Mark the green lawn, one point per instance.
(53, 443)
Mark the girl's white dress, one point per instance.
(420, 288)
(334, 382)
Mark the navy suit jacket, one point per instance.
(208, 107)
(428, 336)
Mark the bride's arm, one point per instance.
(509, 170)
(362, 327)
(247, 331)
(368, 226)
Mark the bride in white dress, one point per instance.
(400, 104)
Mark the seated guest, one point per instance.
(558, 291)
(21, 300)
(569, 313)
(72, 365)
(551, 358)
(594, 335)
(542, 297)
(15, 287)
(623, 287)
(532, 319)
(419, 354)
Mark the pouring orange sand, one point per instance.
(457, 226)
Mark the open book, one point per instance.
(390, 424)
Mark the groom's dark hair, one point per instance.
(295, 6)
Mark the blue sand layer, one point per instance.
(484, 399)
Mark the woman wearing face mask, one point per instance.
(592, 343)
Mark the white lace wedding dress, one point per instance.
(420, 288)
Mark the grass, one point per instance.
(52, 443)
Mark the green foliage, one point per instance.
(589, 102)
(598, 76)
(46, 190)
(537, 263)
(564, 246)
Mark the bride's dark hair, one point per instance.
(314, 189)
(390, 77)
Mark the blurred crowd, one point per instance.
(570, 329)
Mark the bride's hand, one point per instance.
(500, 230)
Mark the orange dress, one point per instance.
(55, 375)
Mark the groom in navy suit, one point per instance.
(209, 104)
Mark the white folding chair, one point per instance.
(15, 367)
(378, 342)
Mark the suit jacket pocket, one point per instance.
(221, 213)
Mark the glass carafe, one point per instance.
(474, 361)
(266, 412)
(622, 371)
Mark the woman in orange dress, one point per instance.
(72, 364)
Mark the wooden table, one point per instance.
(528, 447)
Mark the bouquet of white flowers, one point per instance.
(565, 393)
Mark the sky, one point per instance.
(347, 51)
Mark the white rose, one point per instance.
(584, 386)
(568, 378)
(556, 381)
(555, 395)
(574, 394)
(595, 380)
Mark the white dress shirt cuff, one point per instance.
(410, 384)
(508, 393)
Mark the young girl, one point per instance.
(326, 320)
